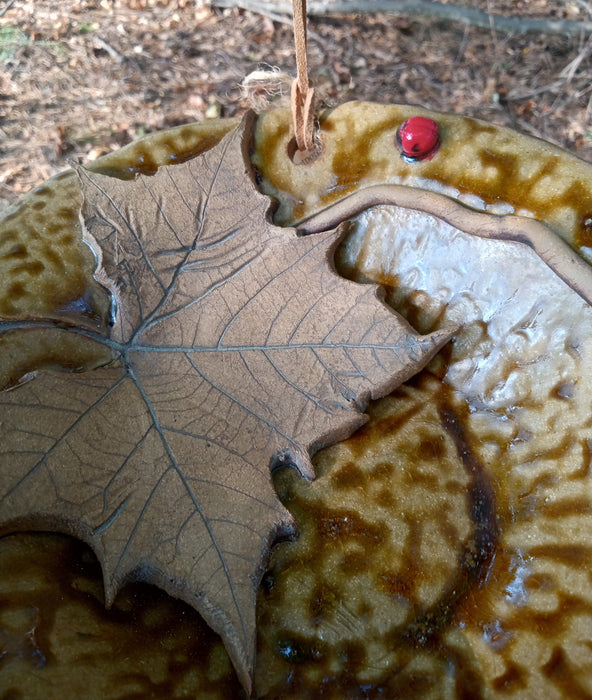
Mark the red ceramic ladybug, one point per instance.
(418, 139)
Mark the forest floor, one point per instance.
(79, 78)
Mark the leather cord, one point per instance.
(303, 98)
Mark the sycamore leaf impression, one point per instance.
(236, 349)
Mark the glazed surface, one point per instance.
(446, 548)
(487, 167)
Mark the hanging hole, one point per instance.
(305, 157)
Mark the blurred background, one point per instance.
(79, 78)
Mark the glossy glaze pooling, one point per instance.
(46, 278)
(58, 641)
(397, 529)
(395, 533)
(523, 361)
(408, 579)
(493, 163)
(171, 147)
(45, 270)
(24, 351)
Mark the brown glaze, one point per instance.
(171, 147)
(529, 614)
(493, 163)
(26, 350)
(386, 550)
(58, 641)
(46, 279)
(431, 570)
(411, 474)
(63, 581)
(46, 270)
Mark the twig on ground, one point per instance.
(522, 95)
(463, 45)
(102, 44)
(7, 7)
(491, 18)
(275, 17)
(571, 68)
(429, 8)
(586, 5)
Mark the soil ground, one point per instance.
(79, 78)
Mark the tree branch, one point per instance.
(428, 8)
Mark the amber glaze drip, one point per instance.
(477, 555)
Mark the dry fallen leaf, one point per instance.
(237, 349)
